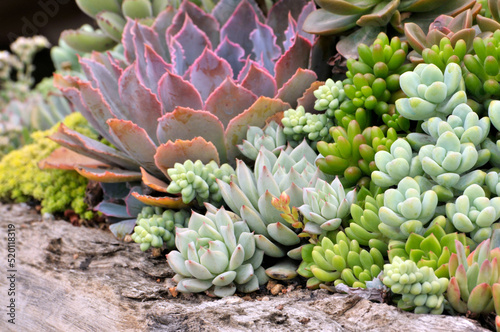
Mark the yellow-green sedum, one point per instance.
(57, 190)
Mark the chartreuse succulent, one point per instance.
(171, 103)
(58, 190)
(329, 97)
(394, 165)
(326, 206)
(352, 153)
(271, 137)
(407, 209)
(198, 181)
(340, 260)
(250, 194)
(299, 124)
(420, 289)
(216, 253)
(155, 227)
(431, 92)
(432, 249)
(473, 278)
(474, 213)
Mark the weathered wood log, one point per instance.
(83, 279)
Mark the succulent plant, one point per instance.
(325, 206)
(299, 124)
(216, 253)
(463, 122)
(472, 278)
(488, 19)
(151, 130)
(155, 227)
(250, 194)
(352, 153)
(492, 181)
(271, 137)
(329, 97)
(197, 181)
(432, 249)
(421, 290)
(340, 261)
(474, 213)
(431, 93)
(407, 209)
(448, 160)
(396, 164)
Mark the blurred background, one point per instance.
(38, 17)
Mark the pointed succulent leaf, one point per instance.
(294, 58)
(193, 40)
(233, 53)
(294, 88)
(208, 72)
(259, 81)
(173, 91)
(264, 46)
(108, 175)
(235, 31)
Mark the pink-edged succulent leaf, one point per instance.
(141, 104)
(225, 9)
(453, 264)
(162, 22)
(308, 99)
(179, 151)
(108, 175)
(173, 91)
(92, 148)
(259, 81)
(289, 33)
(153, 182)
(295, 87)
(229, 100)
(237, 31)
(178, 57)
(193, 41)
(164, 201)
(135, 142)
(308, 9)
(264, 46)
(206, 22)
(296, 57)
(128, 41)
(142, 36)
(495, 290)
(111, 64)
(278, 15)
(208, 72)
(187, 124)
(453, 296)
(256, 115)
(63, 158)
(479, 298)
(233, 53)
(151, 68)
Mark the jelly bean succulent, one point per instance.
(299, 124)
(473, 278)
(216, 253)
(420, 289)
(155, 227)
(170, 105)
(430, 92)
(407, 209)
(329, 97)
(351, 155)
(340, 261)
(474, 213)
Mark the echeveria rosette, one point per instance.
(432, 249)
(474, 213)
(396, 164)
(271, 137)
(329, 97)
(339, 260)
(420, 289)
(216, 253)
(325, 206)
(299, 124)
(352, 153)
(463, 122)
(430, 92)
(198, 181)
(250, 194)
(488, 19)
(448, 160)
(472, 286)
(363, 226)
(155, 228)
(171, 104)
(406, 210)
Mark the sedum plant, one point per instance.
(155, 227)
(299, 124)
(420, 289)
(216, 253)
(329, 97)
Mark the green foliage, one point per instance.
(58, 190)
